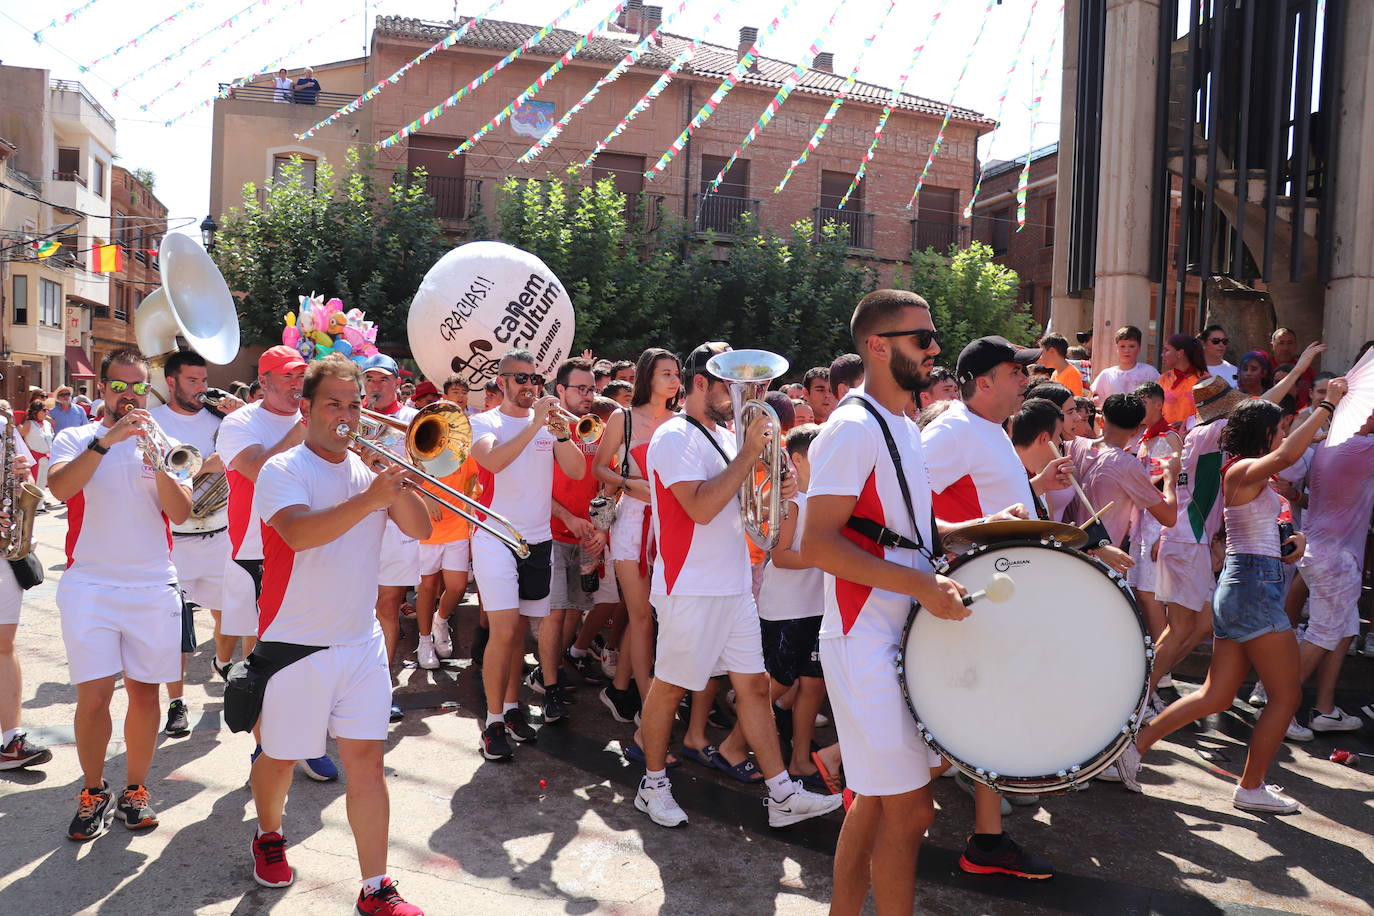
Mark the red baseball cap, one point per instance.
(280, 358)
(424, 388)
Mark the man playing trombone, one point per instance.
(120, 606)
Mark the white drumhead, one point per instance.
(1036, 684)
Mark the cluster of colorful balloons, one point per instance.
(324, 328)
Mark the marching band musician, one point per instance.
(200, 547)
(325, 517)
(119, 601)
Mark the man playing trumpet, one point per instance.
(120, 606)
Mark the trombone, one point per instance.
(587, 429)
(748, 373)
(437, 441)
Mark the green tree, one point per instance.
(970, 296)
(347, 235)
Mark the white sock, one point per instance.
(780, 786)
(493, 718)
(507, 707)
(429, 638)
(576, 652)
(10, 735)
(656, 779)
(371, 884)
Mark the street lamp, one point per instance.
(208, 228)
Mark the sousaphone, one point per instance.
(193, 303)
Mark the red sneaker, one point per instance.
(386, 901)
(270, 868)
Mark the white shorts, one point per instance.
(608, 592)
(199, 560)
(494, 566)
(11, 597)
(455, 556)
(565, 582)
(1142, 576)
(1332, 575)
(239, 599)
(108, 629)
(400, 558)
(1183, 575)
(627, 531)
(700, 636)
(883, 752)
(344, 691)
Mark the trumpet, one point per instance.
(437, 442)
(181, 462)
(587, 429)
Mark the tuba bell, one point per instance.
(748, 373)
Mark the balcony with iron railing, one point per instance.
(455, 199)
(69, 176)
(937, 234)
(331, 100)
(855, 225)
(76, 88)
(721, 213)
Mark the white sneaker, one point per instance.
(1167, 680)
(660, 805)
(801, 805)
(1297, 732)
(1335, 721)
(1257, 696)
(443, 638)
(424, 653)
(1265, 799)
(1127, 768)
(610, 658)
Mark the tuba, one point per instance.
(19, 498)
(749, 372)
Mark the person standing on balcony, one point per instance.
(284, 86)
(307, 88)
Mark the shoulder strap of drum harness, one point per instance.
(881, 534)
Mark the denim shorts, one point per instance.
(1249, 598)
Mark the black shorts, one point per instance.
(792, 648)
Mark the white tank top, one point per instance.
(1253, 528)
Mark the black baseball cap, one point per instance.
(987, 353)
(695, 363)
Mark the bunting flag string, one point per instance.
(487, 74)
(789, 83)
(626, 62)
(1023, 182)
(726, 85)
(838, 102)
(133, 42)
(448, 41)
(949, 107)
(55, 24)
(533, 88)
(266, 68)
(1002, 104)
(647, 99)
(209, 60)
(230, 22)
(891, 104)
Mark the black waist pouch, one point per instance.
(28, 572)
(535, 572)
(247, 681)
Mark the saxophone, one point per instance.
(19, 498)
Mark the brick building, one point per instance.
(254, 136)
(138, 221)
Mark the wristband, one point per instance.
(564, 439)
(96, 447)
(1329, 406)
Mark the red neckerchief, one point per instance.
(395, 408)
(1159, 430)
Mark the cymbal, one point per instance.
(1021, 530)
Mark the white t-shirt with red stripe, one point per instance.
(974, 469)
(522, 491)
(327, 595)
(710, 559)
(244, 428)
(850, 458)
(117, 533)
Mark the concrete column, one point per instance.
(1349, 312)
(1122, 290)
(1067, 313)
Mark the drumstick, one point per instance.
(999, 588)
(1096, 515)
(1077, 487)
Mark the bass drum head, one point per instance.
(1034, 685)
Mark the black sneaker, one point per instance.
(133, 808)
(94, 811)
(1007, 859)
(555, 704)
(178, 722)
(623, 704)
(21, 752)
(479, 645)
(518, 727)
(587, 668)
(494, 743)
(535, 680)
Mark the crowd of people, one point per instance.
(616, 550)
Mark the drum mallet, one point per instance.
(999, 588)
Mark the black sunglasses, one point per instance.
(924, 336)
(1219, 340)
(525, 378)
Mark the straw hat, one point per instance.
(1214, 398)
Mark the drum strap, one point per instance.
(881, 534)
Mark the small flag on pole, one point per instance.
(107, 259)
(46, 247)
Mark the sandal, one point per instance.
(745, 771)
(833, 784)
(708, 756)
(815, 782)
(634, 753)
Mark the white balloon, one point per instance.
(481, 300)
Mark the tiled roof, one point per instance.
(711, 61)
(998, 166)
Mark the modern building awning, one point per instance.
(78, 363)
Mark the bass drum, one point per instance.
(1038, 693)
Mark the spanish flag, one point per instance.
(107, 259)
(46, 247)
